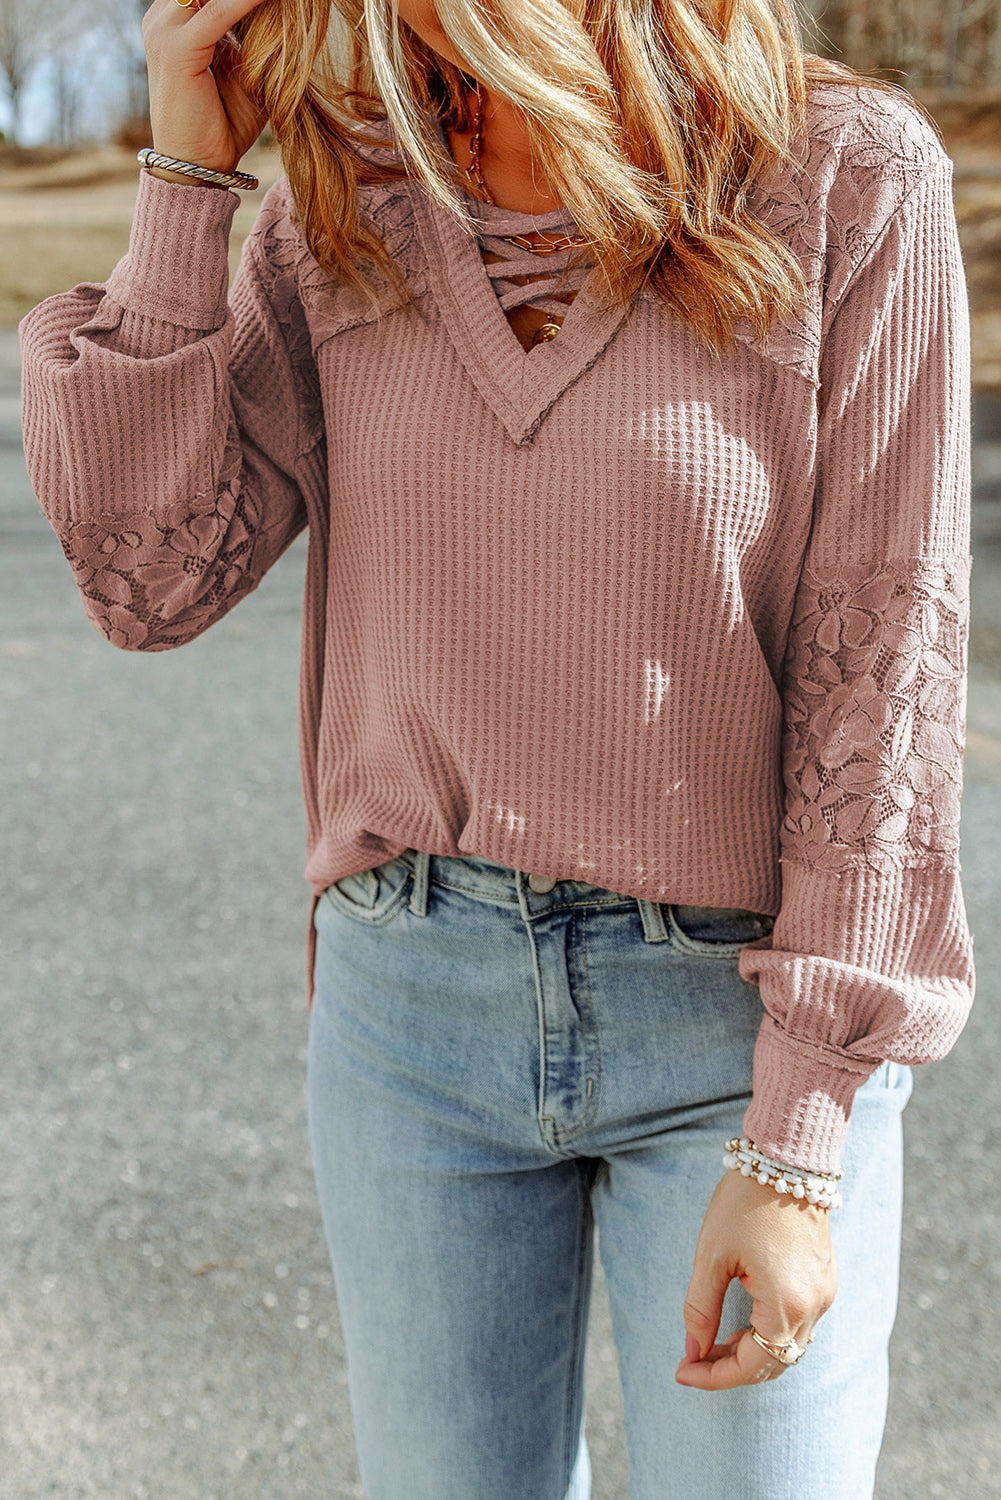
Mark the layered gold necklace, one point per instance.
(565, 242)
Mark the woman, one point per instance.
(633, 682)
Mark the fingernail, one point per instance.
(691, 1348)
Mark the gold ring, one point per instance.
(780, 1352)
(185, 3)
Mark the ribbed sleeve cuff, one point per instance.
(802, 1100)
(177, 266)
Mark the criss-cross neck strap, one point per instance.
(494, 222)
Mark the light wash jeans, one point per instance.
(492, 1073)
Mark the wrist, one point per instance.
(747, 1194)
(820, 1189)
(183, 178)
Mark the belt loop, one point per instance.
(419, 894)
(654, 929)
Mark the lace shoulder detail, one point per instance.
(275, 236)
(328, 307)
(875, 715)
(863, 151)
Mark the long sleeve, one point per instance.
(871, 957)
(163, 426)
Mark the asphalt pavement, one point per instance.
(168, 1327)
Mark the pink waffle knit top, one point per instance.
(687, 626)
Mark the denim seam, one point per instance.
(655, 929)
(420, 883)
(571, 1439)
(465, 890)
(589, 1118)
(594, 1025)
(546, 1122)
(572, 906)
(700, 947)
(366, 916)
(563, 1138)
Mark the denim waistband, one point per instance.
(485, 880)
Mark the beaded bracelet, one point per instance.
(814, 1187)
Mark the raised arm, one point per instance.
(168, 435)
(165, 431)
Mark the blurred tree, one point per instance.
(66, 99)
(133, 126)
(33, 32)
(138, 80)
(947, 45)
(19, 53)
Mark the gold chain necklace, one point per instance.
(548, 330)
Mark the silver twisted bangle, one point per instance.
(150, 158)
(820, 1188)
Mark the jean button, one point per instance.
(542, 884)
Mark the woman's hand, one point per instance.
(780, 1248)
(197, 108)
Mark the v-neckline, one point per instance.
(518, 385)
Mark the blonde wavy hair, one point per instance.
(653, 118)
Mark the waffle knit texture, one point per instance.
(687, 626)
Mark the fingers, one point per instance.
(704, 1301)
(784, 1260)
(200, 110)
(778, 1317)
(740, 1361)
(211, 20)
(217, 12)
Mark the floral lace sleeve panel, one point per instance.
(166, 444)
(874, 698)
(875, 715)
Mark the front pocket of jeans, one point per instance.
(714, 931)
(371, 897)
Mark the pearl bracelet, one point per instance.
(814, 1187)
